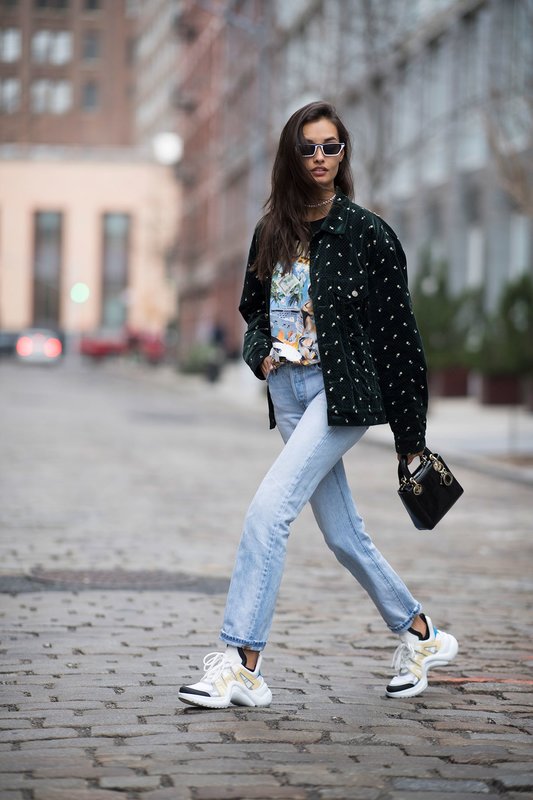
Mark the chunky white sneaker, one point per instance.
(227, 681)
(414, 656)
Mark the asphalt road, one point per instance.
(122, 494)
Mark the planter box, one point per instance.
(528, 394)
(500, 389)
(449, 382)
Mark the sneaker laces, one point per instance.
(402, 656)
(214, 666)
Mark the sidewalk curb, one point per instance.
(477, 464)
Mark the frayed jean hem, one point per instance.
(233, 641)
(406, 625)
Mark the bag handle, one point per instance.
(404, 473)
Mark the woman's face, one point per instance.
(323, 168)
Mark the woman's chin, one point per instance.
(324, 181)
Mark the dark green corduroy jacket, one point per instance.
(370, 349)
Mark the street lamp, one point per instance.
(167, 148)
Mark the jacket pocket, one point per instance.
(351, 306)
(351, 303)
(350, 291)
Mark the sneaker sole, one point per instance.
(442, 659)
(261, 698)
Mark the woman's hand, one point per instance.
(410, 456)
(267, 366)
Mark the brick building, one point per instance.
(67, 72)
(223, 102)
(437, 95)
(83, 199)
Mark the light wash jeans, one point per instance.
(308, 468)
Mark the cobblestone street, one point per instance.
(122, 494)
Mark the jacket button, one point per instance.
(355, 293)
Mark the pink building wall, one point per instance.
(83, 191)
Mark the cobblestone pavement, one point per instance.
(122, 497)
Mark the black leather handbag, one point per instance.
(430, 491)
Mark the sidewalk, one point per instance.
(122, 496)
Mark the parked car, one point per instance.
(39, 346)
(149, 347)
(103, 343)
(8, 342)
(152, 348)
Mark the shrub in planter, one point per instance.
(198, 358)
(504, 358)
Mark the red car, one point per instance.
(104, 343)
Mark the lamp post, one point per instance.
(79, 295)
(167, 149)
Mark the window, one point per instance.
(53, 97)
(48, 229)
(51, 47)
(115, 268)
(9, 95)
(519, 244)
(40, 46)
(472, 68)
(91, 45)
(10, 45)
(90, 96)
(61, 48)
(92, 5)
(58, 5)
(407, 105)
(39, 96)
(60, 97)
(131, 49)
(437, 70)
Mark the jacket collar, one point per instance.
(337, 219)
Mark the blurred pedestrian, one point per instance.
(331, 329)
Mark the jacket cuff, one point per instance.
(406, 446)
(255, 362)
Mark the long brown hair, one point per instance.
(284, 225)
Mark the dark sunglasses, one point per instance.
(328, 149)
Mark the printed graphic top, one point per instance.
(292, 320)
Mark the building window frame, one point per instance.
(51, 97)
(91, 45)
(51, 47)
(9, 95)
(51, 5)
(10, 45)
(90, 96)
(116, 235)
(48, 237)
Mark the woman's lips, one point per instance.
(319, 171)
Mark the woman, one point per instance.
(331, 330)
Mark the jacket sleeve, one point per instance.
(253, 307)
(395, 340)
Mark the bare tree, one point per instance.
(509, 110)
